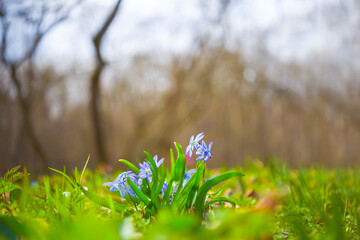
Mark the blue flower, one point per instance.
(210, 178)
(158, 163)
(189, 173)
(175, 188)
(34, 184)
(204, 152)
(163, 189)
(145, 170)
(120, 183)
(194, 143)
(188, 176)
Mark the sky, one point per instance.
(164, 26)
(140, 27)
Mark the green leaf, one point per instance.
(186, 196)
(179, 171)
(83, 171)
(180, 163)
(219, 199)
(184, 193)
(166, 198)
(138, 192)
(102, 202)
(155, 194)
(12, 175)
(130, 165)
(129, 198)
(7, 187)
(218, 193)
(172, 160)
(65, 175)
(63, 181)
(76, 176)
(179, 189)
(200, 200)
(195, 187)
(154, 171)
(25, 190)
(15, 195)
(182, 197)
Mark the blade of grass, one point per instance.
(65, 175)
(83, 171)
(172, 160)
(195, 187)
(138, 192)
(102, 202)
(154, 171)
(219, 199)
(76, 176)
(180, 163)
(63, 180)
(200, 199)
(130, 165)
(155, 194)
(25, 190)
(166, 198)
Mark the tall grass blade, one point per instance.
(200, 199)
(130, 165)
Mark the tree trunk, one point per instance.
(100, 142)
(95, 90)
(27, 121)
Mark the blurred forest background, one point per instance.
(260, 78)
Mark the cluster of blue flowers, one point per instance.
(120, 183)
(187, 176)
(145, 171)
(202, 150)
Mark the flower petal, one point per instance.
(148, 178)
(204, 145)
(159, 162)
(122, 193)
(210, 145)
(200, 152)
(108, 184)
(142, 174)
(199, 158)
(199, 137)
(188, 148)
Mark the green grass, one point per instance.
(272, 202)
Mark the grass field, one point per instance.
(271, 201)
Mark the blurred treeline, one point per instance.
(253, 106)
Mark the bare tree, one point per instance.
(41, 18)
(95, 85)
